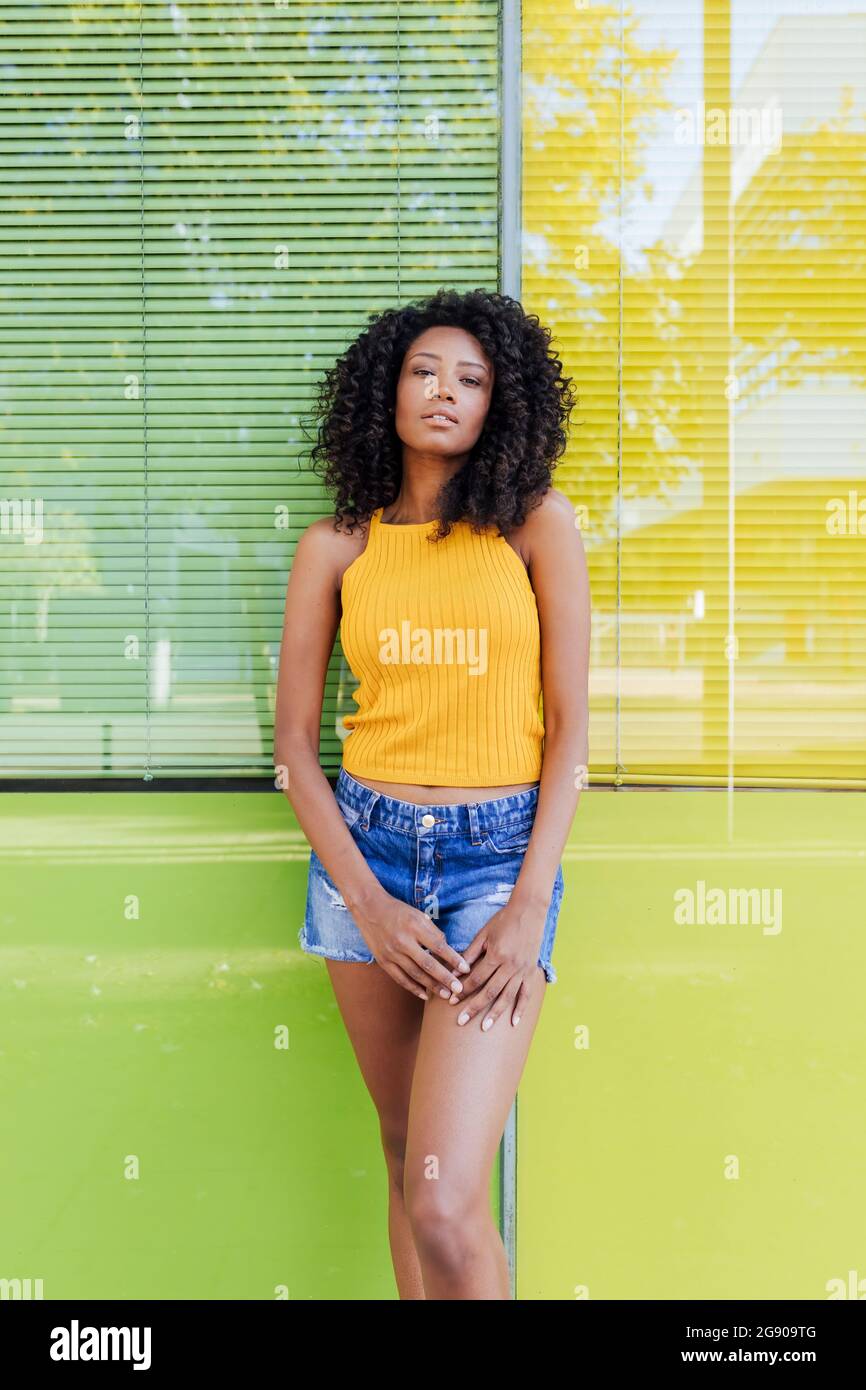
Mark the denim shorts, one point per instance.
(458, 863)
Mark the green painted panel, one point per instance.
(709, 1142)
(710, 1045)
(148, 956)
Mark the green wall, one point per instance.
(260, 1169)
(712, 1050)
(153, 1036)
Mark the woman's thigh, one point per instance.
(383, 1021)
(465, 1081)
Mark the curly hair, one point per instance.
(358, 452)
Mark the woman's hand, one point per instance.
(504, 961)
(406, 943)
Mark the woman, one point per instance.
(460, 582)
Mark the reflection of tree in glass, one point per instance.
(591, 98)
(798, 218)
(39, 643)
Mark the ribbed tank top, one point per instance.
(444, 640)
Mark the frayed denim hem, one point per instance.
(311, 950)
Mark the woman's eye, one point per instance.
(427, 371)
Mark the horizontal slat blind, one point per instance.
(694, 210)
(201, 205)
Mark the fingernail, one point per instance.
(463, 1017)
(456, 985)
(516, 1019)
(464, 965)
(445, 994)
(488, 1023)
(422, 996)
(453, 999)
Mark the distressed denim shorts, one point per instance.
(458, 863)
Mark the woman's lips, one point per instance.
(439, 420)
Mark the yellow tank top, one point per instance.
(444, 640)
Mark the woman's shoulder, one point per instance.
(321, 543)
(545, 522)
(553, 506)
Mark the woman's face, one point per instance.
(445, 372)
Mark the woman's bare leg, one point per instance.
(383, 1021)
(462, 1090)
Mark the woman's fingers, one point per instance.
(422, 979)
(415, 984)
(520, 1000)
(491, 999)
(434, 940)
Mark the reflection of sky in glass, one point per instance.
(679, 26)
(807, 85)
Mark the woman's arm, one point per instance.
(557, 568)
(402, 939)
(312, 617)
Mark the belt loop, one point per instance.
(368, 806)
(474, 825)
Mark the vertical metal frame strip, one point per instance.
(510, 223)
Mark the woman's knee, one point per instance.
(448, 1223)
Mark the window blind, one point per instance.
(694, 193)
(201, 205)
